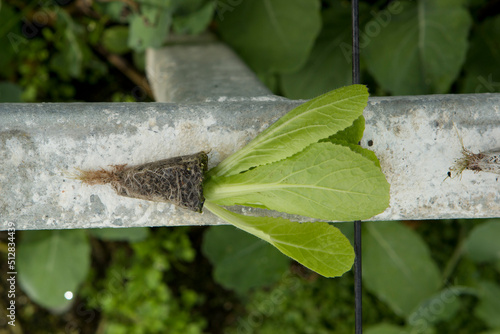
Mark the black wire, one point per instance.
(358, 310)
(355, 42)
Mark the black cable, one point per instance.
(358, 310)
(355, 42)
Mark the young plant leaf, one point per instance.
(353, 134)
(358, 149)
(324, 181)
(318, 246)
(314, 120)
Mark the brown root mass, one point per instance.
(177, 180)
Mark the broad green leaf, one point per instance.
(314, 120)
(318, 246)
(351, 137)
(114, 39)
(419, 48)
(131, 234)
(396, 259)
(440, 307)
(271, 36)
(327, 67)
(242, 261)
(324, 181)
(51, 263)
(482, 244)
(481, 67)
(10, 92)
(489, 304)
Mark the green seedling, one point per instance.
(308, 163)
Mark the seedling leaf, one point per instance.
(324, 181)
(318, 246)
(314, 120)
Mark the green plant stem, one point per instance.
(226, 215)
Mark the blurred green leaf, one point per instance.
(419, 48)
(11, 38)
(242, 261)
(114, 39)
(150, 28)
(327, 67)
(347, 229)
(488, 307)
(440, 307)
(482, 66)
(135, 295)
(271, 36)
(396, 259)
(10, 92)
(384, 328)
(131, 234)
(68, 61)
(483, 244)
(116, 10)
(51, 263)
(194, 22)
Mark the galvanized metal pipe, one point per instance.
(414, 138)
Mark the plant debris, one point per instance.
(488, 161)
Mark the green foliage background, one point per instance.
(420, 277)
